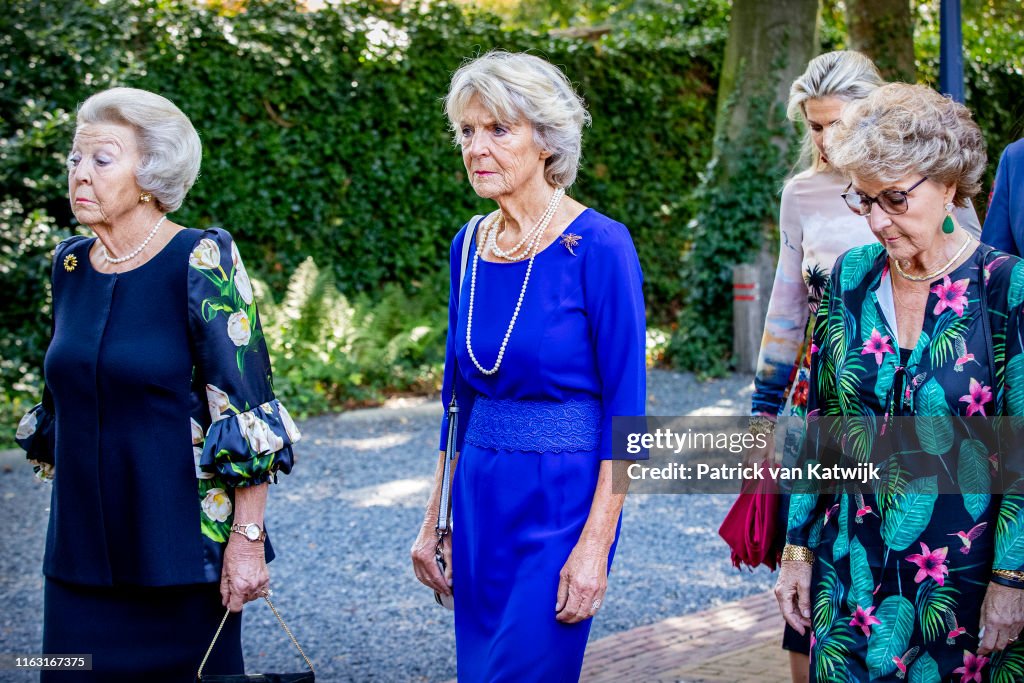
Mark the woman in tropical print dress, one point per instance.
(894, 584)
(815, 228)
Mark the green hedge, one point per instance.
(324, 135)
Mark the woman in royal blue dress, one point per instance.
(158, 426)
(546, 335)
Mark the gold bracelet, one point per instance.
(1010, 575)
(797, 553)
(759, 424)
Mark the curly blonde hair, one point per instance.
(902, 129)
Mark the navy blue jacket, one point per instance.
(1004, 224)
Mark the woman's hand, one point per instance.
(793, 591)
(244, 577)
(424, 563)
(582, 582)
(1002, 617)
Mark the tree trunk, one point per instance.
(769, 45)
(884, 31)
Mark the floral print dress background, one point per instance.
(901, 571)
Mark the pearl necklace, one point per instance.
(940, 271)
(531, 249)
(138, 251)
(512, 254)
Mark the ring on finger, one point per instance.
(596, 605)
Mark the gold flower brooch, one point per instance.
(569, 241)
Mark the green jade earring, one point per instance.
(947, 222)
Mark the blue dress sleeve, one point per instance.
(614, 301)
(36, 436)
(249, 434)
(997, 232)
(464, 394)
(36, 432)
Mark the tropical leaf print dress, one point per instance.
(902, 570)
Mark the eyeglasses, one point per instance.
(893, 202)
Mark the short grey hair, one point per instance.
(901, 129)
(846, 74)
(168, 143)
(515, 87)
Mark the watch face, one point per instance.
(252, 532)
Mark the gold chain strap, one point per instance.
(199, 674)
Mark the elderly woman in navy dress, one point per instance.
(158, 426)
(546, 331)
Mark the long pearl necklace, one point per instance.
(935, 274)
(531, 249)
(513, 253)
(138, 251)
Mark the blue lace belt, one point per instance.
(536, 426)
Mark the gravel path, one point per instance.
(343, 523)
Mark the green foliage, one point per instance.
(329, 351)
(737, 202)
(324, 134)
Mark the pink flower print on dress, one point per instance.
(863, 620)
(952, 295)
(978, 396)
(971, 670)
(878, 345)
(931, 563)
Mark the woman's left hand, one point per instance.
(244, 577)
(1002, 617)
(582, 582)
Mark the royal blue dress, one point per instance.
(532, 438)
(158, 405)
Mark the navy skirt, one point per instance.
(139, 633)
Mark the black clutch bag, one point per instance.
(302, 677)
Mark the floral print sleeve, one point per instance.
(242, 435)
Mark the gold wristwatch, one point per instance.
(252, 531)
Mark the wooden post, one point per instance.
(747, 317)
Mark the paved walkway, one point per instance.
(736, 642)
